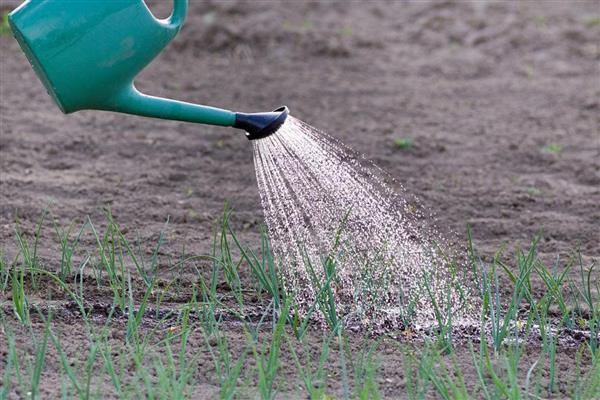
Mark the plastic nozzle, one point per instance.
(261, 125)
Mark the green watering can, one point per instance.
(88, 53)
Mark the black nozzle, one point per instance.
(261, 125)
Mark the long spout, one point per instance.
(256, 125)
(261, 125)
(131, 101)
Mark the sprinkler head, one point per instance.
(261, 125)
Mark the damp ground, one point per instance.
(489, 114)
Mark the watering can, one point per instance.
(88, 53)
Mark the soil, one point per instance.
(501, 100)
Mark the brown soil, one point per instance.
(392, 377)
(482, 88)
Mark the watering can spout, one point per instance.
(261, 125)
(88, 54)
(131, 101)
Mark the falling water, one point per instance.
(323, 201)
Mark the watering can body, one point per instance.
(88, 53)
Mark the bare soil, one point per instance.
(481, 88)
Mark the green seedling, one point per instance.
(403, 143)
(29, 250)
(268, 358)
(19, 298)
(5, 272)
(226, 370)
(10, 363)
(68, 247)
(325, 298)
(162, 359)
(346, 31)
(222, 255)
(110, 262)
(448, 383)
(308, 25)
(529, 71)
(264, 269)
(540, 21)
(417, 364)
(40, 358)
(590, 294)
(500, 319)
(313, 378)
(82, 385)
(593, 22)
(443, 317)
(4, 25)
(533, 191)
(553, 148)
(364, 369)
(554, 282)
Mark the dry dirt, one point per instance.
(482, 88)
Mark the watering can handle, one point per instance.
(175, 21)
